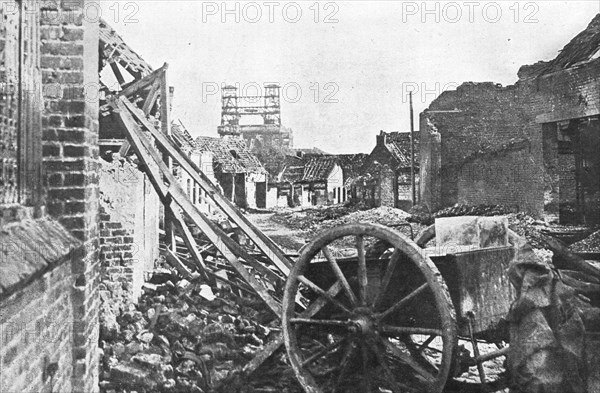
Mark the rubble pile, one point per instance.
(589, 244)
(383, 215)
(183, 337)
(312, 218)
(421, 215)
(528, 227)
(316, 219)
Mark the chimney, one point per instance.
(381, 138)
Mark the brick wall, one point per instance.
(36, 317)
(129, 222)
(480, 116)
(492, 179)
(38, 320)
(69, 62)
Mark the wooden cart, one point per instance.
(396, 324)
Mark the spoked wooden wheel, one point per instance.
(380, 319)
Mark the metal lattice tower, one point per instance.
(235, 107)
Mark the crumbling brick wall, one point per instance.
(482, 116)
(493, 179)
(129, 220)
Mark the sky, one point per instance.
(345, 67)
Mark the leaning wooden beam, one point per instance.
(567, 259)
(143, 83)
(152, 97)
(188, 239)
(266, 245)
(156, 170)
(124, 148)
(174, 261)
(115, 69)
(274, 345)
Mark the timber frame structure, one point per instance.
(134, 109)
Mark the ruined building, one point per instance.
(385, 176)
(50, 267)
(532, 145)
(204, 160)
(257, 119)
(316, 179)
(128, 206)
(238, 172)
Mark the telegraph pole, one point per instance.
(412, 151)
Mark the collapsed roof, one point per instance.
(584, 47)
(398, 144)
(231, 155)
(114, 50)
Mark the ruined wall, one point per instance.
(481, 116)
(488, 180)
(430, 165)
(36, 317)
(69, 63)
(48, 298)
(128, 236)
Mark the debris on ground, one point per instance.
(311, 218)
(589, 244)
(185, 336)
(312, 221)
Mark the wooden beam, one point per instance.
(174, 261)
(124, 149)
(142, 83)
(152, 97)
(165, 107)
(115, 69)
(274, 345)
(188, 239)
(266, 245)
(157, 169)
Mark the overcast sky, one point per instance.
(345, 66)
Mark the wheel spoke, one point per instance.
(318, 304)
(394, 331)
(387, 276)
(366, 377)
(323, 351)
(322, 322)
(315, 288)
(339, 274)
(424, 375)
(343, 365)
(402, 302)
(363, 280)
(426, 343)
(397, 387)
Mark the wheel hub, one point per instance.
(364, 325)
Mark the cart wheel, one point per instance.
(382, 322)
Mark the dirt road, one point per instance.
(289, 239)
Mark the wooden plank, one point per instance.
(124, 148)
(188, 239)
(152, 97)
(115, 68)
(266, 245)
(274, 345)
(165, 107)
(156, 169)
(263, 355)
(142, 83)
(174, 261)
